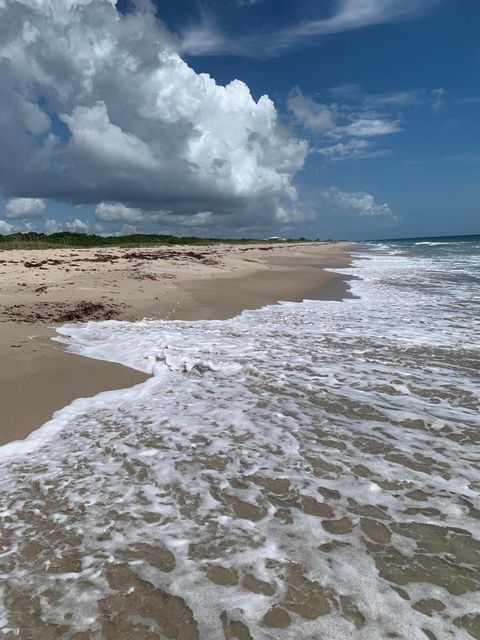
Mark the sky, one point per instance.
(348, 119)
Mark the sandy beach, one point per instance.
(41, 290)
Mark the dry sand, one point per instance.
(43, 289)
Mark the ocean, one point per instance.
(303, 471)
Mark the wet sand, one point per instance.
(44, 289)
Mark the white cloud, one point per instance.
(347, 16)
(117, 212)
(344, 130)
(337, 212)
(24, 208)
(311, 114)
(366, 126)
(349, 149)
(54, 226)
(338, 120)
(5, 228)
(140, 126)
(356, 14)
(96, 139)
(350, 126)
(394, 99)
(356, 203)
(80, 226)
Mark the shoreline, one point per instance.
(39, 376)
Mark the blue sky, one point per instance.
(371, 128)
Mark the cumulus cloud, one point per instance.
(357, 204)
(98, 106)
(118, 212)
(5, 228)
(340, 213)
(24, 208)
(76, 225)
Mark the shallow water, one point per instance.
(302, 471)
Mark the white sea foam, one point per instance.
(432, 244)
(283, 444)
